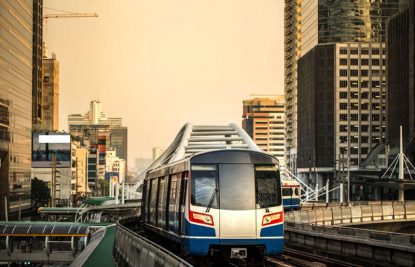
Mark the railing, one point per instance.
(332, 215)
(131, 249)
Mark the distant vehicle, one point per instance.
(223, 204)
(291, 194)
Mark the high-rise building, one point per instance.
(342, 95)
(324, 22)
(119, 141)
(401, 80)
(263, 120)
(50, 121)
(81, 177)
(292, 44)
(141, 164)
(98, 133)
(37, 68)
(15, 106)
(338, 21)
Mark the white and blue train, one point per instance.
(291, 194)
(223, 202)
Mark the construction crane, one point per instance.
(69, 15)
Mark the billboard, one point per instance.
(45, 145)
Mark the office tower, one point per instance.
(292, 49)
(15, 106)
(401, 77)
(263, 120)
(342, 95)
(37, 69)
(50, 121)
(325, 22)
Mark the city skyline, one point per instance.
(183, 54)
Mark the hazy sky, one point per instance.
(161, 63)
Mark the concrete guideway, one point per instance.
(329, 231)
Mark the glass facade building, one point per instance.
(330, 21)
(16, 35)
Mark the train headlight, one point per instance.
(272, 218)
(201, 218)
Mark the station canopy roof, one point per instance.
(43, 229)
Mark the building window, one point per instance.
(343, 128)
(375, 128)
(364, 139)
(354, 51)
(375, 95)
(343, 73)
(375, 106)
(354, 73)
(354, 106)
(375, 61)
(375, 51)
(354, 117)
(354, 128)
(343, 95)
(364, 150)
(343, 106)
(364, 128)
(375, 140)
(364, 52)
(343, 51)
(354, 95)
(364, 95)
(343, 150)
(364, 73)
(343, 84)
(343, 61)
(343, 117)
(354, 61)
(354, 150)
(343, 139)
(364, 61)
(375, 73)
(375, 117)
(375, 84)
(354, 84)
(364, 117)
(354, 139)
(364, 84)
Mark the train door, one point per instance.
(237, 202)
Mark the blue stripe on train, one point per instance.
(291, 203)
(200, 246)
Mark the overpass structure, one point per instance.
(193, 139)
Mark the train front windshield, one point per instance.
(235, 186)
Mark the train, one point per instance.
(221, 204)
(291, 194)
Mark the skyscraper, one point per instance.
(37, 72)
(263, 120)
(292, 45)
(50, 98)
(324, 22)
(15, 106)
(401, 81)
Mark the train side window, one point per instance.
(172, 207)
(287, 192)
(148, 194)
(182, 203)
(153, 201)
(161, 205)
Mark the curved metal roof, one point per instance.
(43, 229)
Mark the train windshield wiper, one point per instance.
(212, 198)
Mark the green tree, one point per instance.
(40, 194)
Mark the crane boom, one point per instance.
(69, 15)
